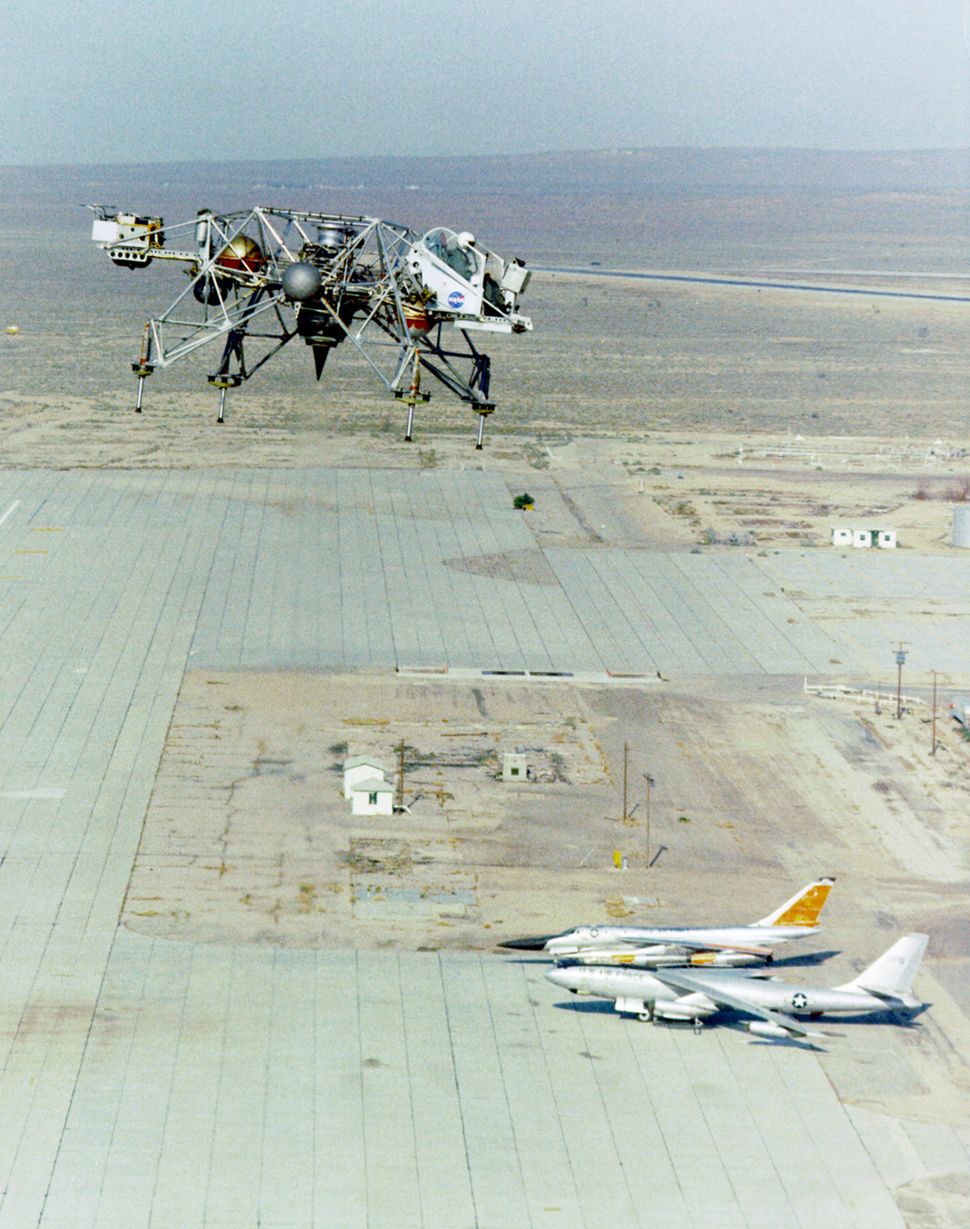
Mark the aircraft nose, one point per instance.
(536, 943)
(566, 978)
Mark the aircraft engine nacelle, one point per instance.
(680, 1011)
(724, 960)
(765, 1028)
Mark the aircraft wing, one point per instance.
(692, 984)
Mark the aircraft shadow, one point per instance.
(790, 1043)
(804, 961)
(589, 1007)
(903, 1018)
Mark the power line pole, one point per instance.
(648, 781)
(900, 662)
(399, 802)
(933, 723)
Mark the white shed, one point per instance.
(884, 539)
(361, 768)
(372, 797)
(515, 767)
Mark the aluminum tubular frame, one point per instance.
(366, 273)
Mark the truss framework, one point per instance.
(368, 291)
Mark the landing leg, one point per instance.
(481, 432)
(225, 378)
(142, 369)
(412, 397)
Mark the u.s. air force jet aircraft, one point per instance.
(692, 994)
(720, 946)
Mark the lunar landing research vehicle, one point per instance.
(257, 279)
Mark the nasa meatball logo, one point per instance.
(456, 299)
(799, 1001)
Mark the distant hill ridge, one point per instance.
(607, 170)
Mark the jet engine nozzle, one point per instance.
(301, 281)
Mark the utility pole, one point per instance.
(933, 723)
(399, 802)
(900, 662)
(648, 781)
(626, 757)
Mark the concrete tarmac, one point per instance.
(163, 1084)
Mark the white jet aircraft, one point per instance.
(718, 946)
(692, 995)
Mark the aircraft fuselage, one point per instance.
(633, 987)
(668, 938)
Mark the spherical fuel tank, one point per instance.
(417, 319)
(301, 281)
(210, 290)
(242, 254)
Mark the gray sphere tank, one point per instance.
(961, 527)
(301, 281)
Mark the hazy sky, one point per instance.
(179, 79)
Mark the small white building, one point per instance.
(361, 768)
(372, 796)
(863, 539)
(515, 767)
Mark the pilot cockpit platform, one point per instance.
(469, 281)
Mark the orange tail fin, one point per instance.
(803, 909)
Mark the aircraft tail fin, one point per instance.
(892, 975)
(804, 907)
